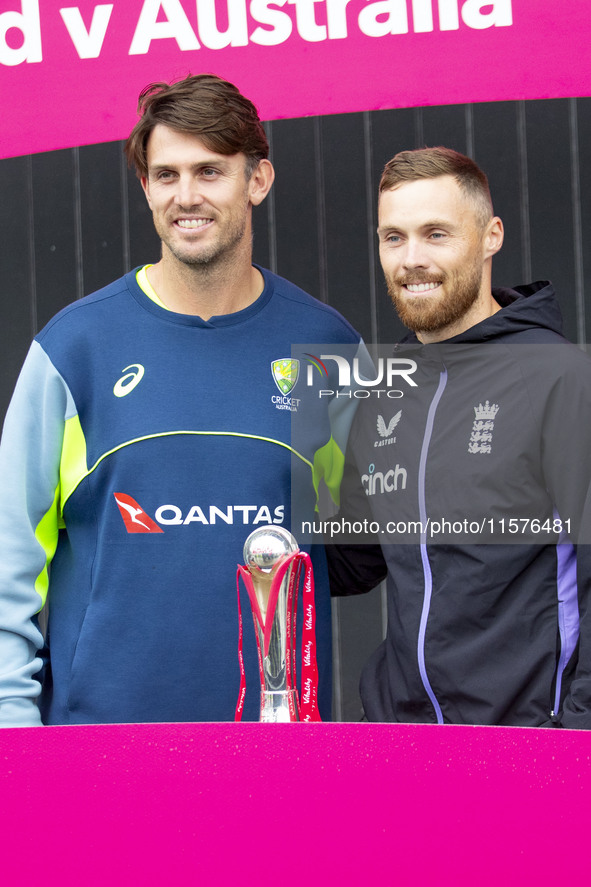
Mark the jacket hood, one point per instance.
(526, 310)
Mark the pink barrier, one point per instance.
(296, 803)
(71, 74)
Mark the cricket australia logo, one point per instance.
(386, 431)
(285, 374)
(483, 427)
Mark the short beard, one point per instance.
(430, 314)
(222, 251)
(217, 253)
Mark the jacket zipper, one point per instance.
(568, 610)
(427, 575)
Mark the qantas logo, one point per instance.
(134, 517)
(136, 520)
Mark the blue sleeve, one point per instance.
(30, 454)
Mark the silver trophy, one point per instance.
(271, 575)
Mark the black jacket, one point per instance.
(476, 483)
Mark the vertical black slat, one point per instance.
(347, 260)
(55, 232)
(391, 132)
(576, 210)
(361, 632)
(523, 192)
(124, 204)
(337, 664)
(77, 222)
(496, 151)
(144, 243)
(321, 212)
(445, 125)
(584, 139)
(260, 230)
(101, 217)
(550, 189)
(371, 203)
(271, 215)
(296, 203)
(17, 321)
(263, 220)
(469, 125)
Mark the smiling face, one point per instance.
(436, 255)
(201, 201)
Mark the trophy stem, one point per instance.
(279, 706)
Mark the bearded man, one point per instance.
(474, 478)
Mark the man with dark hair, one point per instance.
(149, 434)
(475, 480)
(203, 106)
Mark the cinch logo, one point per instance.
(375, 483)
(134, 517)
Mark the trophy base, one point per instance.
(278, 707)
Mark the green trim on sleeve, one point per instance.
(73, 463)
(72, 470)
(329, 463)
(47, 534)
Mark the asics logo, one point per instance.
(129, 381)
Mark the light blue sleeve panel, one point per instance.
(30, 453)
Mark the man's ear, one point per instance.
(493, 237)
(144, 181)
(260, 182)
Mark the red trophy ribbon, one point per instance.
(274, 565)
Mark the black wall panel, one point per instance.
(71, 221)
(549, 187)
(581, 147)
(496, 148)
(17, 309)
(298, 202)
(56, 233)
(142, 242)
(101, 213)
(391, 131)
(346, 245)
(444, 126)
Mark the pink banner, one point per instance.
(70, 75)
(319, 804)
